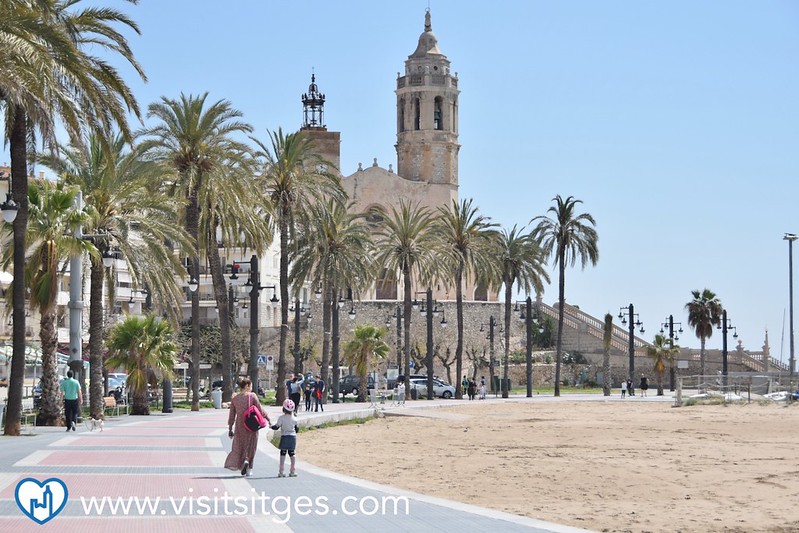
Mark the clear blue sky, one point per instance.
(676, 123)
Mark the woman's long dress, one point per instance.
(245, 442)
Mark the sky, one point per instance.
(675, 123)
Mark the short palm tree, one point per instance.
(704, 312)
(193, 142)
(143, 346)
(335, 252)
(662, 353)
(53, 219)
(294, 179)
(405, 244)
(466, 242)
(521, 260)
(364, 351)
(126, 213)
(568, 237)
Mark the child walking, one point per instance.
(287, 424)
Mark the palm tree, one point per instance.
(607, 336)
(47, 75)
(704, 312)
(335, 252)
(569, 237)
(294, 179)
(405, 244)
(192, 143)
(53, 219)
(522, 261)
(143, 346)
(465, 245)
(662, 354)
(124, 213)
(363, 352)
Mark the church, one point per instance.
(427, 145)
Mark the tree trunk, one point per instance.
(192, 226)
(223, 306)
(459, 345)
(50, 410)
(660, 383)
(406, 281)
(19, 176)
(139, 403)
(335, 343)
(284, 307)
(702, 357)
(561, 301)
(96, 405)
(508, 296)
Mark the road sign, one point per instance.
(410, 364)
(261, 360)
(270, 362)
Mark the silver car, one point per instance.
(440, 389)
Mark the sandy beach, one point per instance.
(601, 465)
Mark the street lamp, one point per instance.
(428, 310)
(633, 321)
(530, 320)
(724, 327)
(297, 309)
(491, 361)
(9, 207)
(790, 237)
(670, 323)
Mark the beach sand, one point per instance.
(601, 465)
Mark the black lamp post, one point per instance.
(725, 326)
(429, 309)
(670, 324)
(491, 361)
(530, 320)
(298, 309)
(790, 237)
(633, 322)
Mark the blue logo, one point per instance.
(41, 500)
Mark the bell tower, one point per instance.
(327, 143)
(427, 115)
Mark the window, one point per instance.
(417, 114)
(481, 293)
(437, 119)
(401, 118)
(386, 286)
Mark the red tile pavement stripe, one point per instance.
(127, 441)
(187, 524)
(163, 486)
(127, 458)
(160, 431)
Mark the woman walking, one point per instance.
(245, 441)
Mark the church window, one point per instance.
(437, 118)
(417, 114)
(401, 125)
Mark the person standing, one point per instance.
(73, 399)
(400, 393)
(308, 389)
(245, 441)
(287, 424)
(464, 385)
(482, 387)
(644, 386)
(630, 389)
(295, 392)
(623, 388)
(319, 394)
(471, 389)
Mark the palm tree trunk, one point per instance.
(139, 403)
(327, 295)
(406, 280)
(96, 406)
(561, 301)
(193, 228)
(335, 342)
(50, 411)
(459, 345)
(702, 357)
(222, 304)
(508, 296)
(660, 383)
(284, 307)
(19, 174)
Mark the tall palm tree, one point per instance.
(47, 76)
(334, 251)
(465, 245)
(364, 351)
(662, 354)
(522, 261)
(607, 337)
(294, 178)
(704, 312)
(192, 142)
(405, 244)
(126, 213)
(53, 219)
(568, 237)
(143, 346)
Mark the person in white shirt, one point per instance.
(401, 393)
(287, 424)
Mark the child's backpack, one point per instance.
(253, 418)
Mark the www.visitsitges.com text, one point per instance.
(279, 508)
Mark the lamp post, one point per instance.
(530, 320)
(491, 362)
(725, 326)
(633, 321)
(670, 323)
(790, 237)
(429, 310)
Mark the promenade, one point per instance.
(164, 473)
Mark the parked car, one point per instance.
(440, 389)
(350, 384)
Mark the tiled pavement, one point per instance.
(167, 470)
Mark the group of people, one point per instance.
(627, 387)
(470, 386)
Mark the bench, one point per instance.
(112, 408)
(180, 394)
(28, 415)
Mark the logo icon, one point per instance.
(41, 500)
